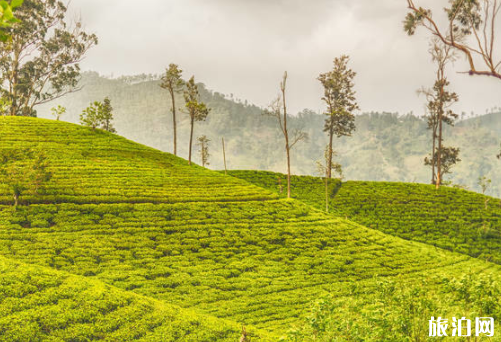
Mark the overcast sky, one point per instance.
(244, 46)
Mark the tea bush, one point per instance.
(449, 218)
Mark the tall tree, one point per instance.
(439, 102)
(197, 110)
(278, 109)
(469, 27)
(339, 97)
(41, 61)
(203, 145)
(173, 82)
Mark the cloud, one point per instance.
(243, 47)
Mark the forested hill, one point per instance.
(386, 147)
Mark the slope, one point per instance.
(197, 239)
(453, 219)
(39, 304)
(98, 167)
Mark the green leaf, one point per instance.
(16, 3)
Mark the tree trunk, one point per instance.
(329, 157)
(174, 126)
(287, 146)
(326, 194)
(16, 200)
(439, 152)
(224, 158)
(13, 83)
(433, 156)
(191, 138)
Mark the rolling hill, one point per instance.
(454, 219)
(385, 146)
(145, 225)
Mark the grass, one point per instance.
(187, 237)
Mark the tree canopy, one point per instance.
(41, 60)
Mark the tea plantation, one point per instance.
(131, 243)
(99, 167)
(449, 218)
(39, 304)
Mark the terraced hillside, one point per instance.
(193, 238)
(453, 219)
(98, 167)
(39, 304)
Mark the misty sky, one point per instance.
(244, 46)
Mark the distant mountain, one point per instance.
(385, 147)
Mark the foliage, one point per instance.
(203, 145)
(440, 99)
(449, 157)
(24, 170)
(7, 18)
(58, 111)
(197, 110)
(98, 115)
(399, 312)
(322, 167)
(41, 61)
(339, 96)
(469, 28)
(173, 82)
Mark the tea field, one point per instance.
(454, 219)
(99, 167)
(184, 253)
(39, 304)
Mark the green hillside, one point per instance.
(385, 146)
(453, 219)
(39, 304)
(98, 167)
(145, 222)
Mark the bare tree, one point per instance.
(278, 109)
(470, 28)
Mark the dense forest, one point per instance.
(385, 146)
